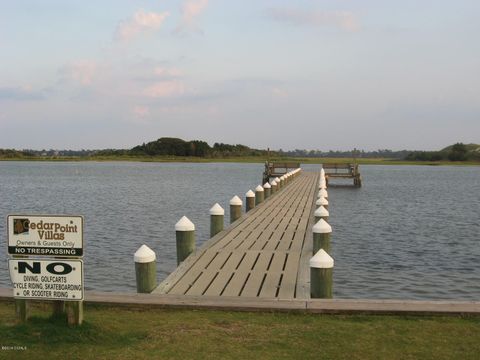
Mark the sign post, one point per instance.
(46, 264)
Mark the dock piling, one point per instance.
(259, 195)
(274, 186)
(321, 275)
(185, 238)
(145, 271)
(321, 236)
(249, 200)
(321, 213)
(321, 202)
(235, 208)
(267, 189)
(217, 214)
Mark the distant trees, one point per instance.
(456, 152)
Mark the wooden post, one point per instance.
(58, 307)
(145, 269)
(321, 275)
(185, 236)
(279, 183)
(235, 208)
(322, 184)
(74, 312)
(217, 215)
(22, 310)
(321, 236)
(249, 200)
(267, 189)
(321, 213)
(274, 186)
(322, 202)
(282, 181)
(259, 195)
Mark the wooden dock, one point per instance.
(264, 254)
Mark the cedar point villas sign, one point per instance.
(45, 235)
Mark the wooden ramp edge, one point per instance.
(313, 306)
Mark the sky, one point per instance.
(303, 74)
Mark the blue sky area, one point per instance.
(279, 74)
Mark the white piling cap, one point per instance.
(322, 172)
(217, 210)
(322, 186)
(322, 227)
(277, 180)
(273, 183)
(321, 211)
(250, 193)
(144, 255)
(184, 224)
(266, 185)
(236, 201)
(323, 193)
(321, 201)
(321, 260)
(259, 188)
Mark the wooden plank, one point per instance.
(289, 280)
(254, 282)
(225, 274)
(191, 274)
(237, 282)
(205, 279)
(271, 283)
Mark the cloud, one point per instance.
(278, 92)
(140, 22)
(81, 72)
(20, 93)
(163, 71)
(344, 20)
(140, 111)
(165, 89)
(191, 9)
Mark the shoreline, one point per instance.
(247, 160)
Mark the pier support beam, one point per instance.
(249, 200)
(217, 215)
(185, 236)
(235, 208)
(145, 271)
(321, 236)
(321, 275)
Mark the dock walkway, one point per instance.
(260, 255)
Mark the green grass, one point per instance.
(119, 333)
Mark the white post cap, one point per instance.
(322, 186)
(250, 193)
(321, 201)
(259, 188)
(217, 210)
(277, 180)
(322, 172)
(184, 224)
(266, 185)
(236, 201)
(321, 212)
(322, 227)
(321, 260)
(144, 255)
(322, 193)
(273, 183)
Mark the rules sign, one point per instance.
(47, 279)
(60, 236)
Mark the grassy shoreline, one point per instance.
(252, 159)
(119, 333)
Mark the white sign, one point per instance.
(60, 236)
(47, 279)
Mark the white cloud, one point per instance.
(140, 111)
(163, 71)
(140, 22)
(344, 20)
(165, 89)
(191, 9)
(81, 72)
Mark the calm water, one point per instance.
(410, 232)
